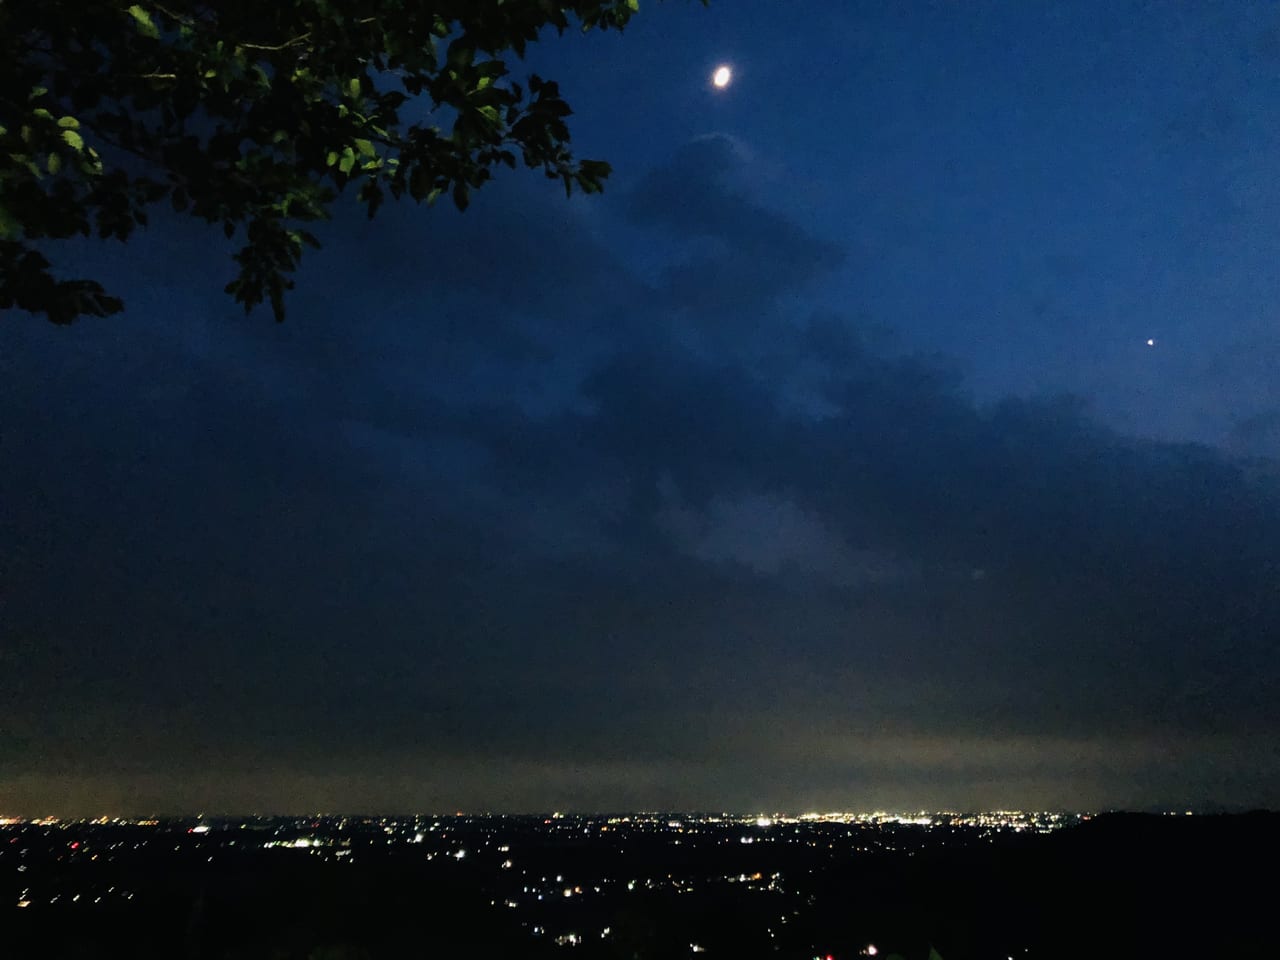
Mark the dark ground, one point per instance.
(1116, 886)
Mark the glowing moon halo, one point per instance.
(722, 76)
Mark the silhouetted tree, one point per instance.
(255, 114)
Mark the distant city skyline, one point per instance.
(660, 885)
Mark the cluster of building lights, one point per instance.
(337, 839)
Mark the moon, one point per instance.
(722, 76)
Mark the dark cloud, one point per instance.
(741, 255)
(578, 553)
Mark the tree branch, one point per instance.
(301, 38)
(173, 15)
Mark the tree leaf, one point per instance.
(146, 26)
(9, 225)
(73, 140)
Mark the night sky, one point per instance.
(822, 463)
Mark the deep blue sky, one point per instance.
(822, 462)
